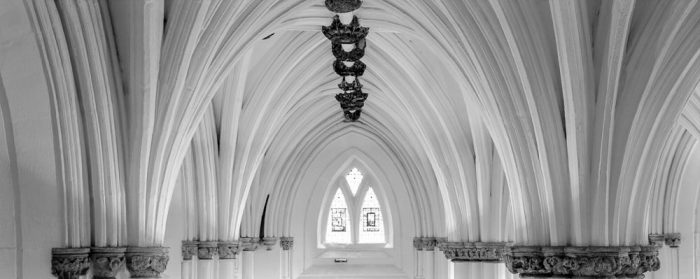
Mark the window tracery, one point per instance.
(360, 206)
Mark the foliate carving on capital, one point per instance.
(473, 251)
(70, 263)
(107, 261)
(206, 250)
(229, 250)
(425, 243)
(189, 250)
(287, 243)
(146, 262)
(592, 262)
(673, 239)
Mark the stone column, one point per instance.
(189, 267)
(70, 263)
(287, 244)
(146, 262)
(227, 259)
(206, 265)
(107, 262)
(248, 245)
(425, 257)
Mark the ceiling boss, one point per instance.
(348, 45)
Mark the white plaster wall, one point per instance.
(37, 205)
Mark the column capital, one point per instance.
(189, 250)
(673, 239)
(425, 243)
(206, 250)
(592, 262)
(657, 239)
(269, 242)
(107, 261)
(70, 263)
(249, 244)
(229, 250)
(146, 262)
(287, 243)
(473, 251)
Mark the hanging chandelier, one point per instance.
(348, 46)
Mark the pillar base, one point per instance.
(146, 262)
(586, 262)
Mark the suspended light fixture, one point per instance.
(348, 46)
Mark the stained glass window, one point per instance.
(338, 231)
(338, 217)
(354, 179)
(372, 227)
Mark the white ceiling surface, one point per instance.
(565, 103)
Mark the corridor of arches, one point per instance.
(298, 139)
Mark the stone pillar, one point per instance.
(442, 266)
(227, 259)
(582, 262)
(287, 244)
(189, 267)
(146, 262)
(248, 245)
(206, 265)
(107, 262)
(425, 257)
(70, 263)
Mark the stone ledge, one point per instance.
(473, 251)
(591, 262)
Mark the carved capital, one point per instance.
(673, 239)
(69, 263)
(287, 243)
(473, 251)
(146, 262)
(229, 250)
(269, 242)
(107, 261)
(249, 243)
(657, 239)
(343, 6)
(206, 250)
(590, 262)
(425, 243)
(189, 250)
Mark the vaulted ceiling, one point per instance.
(562, 118)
